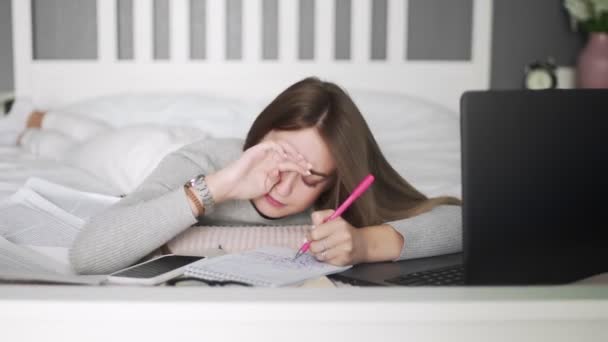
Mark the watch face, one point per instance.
(192, 182)
(198, 178)
(539, 79)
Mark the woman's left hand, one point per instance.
(336, 242)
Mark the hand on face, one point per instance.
(260, 167)
(336, 242)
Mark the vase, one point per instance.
(592, 63)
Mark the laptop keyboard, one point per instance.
(451, 275)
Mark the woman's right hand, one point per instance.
(256, 171)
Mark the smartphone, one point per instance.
(154, 271)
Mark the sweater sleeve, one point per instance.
(141, 222)
(436, 232)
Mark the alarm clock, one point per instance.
(540, 75)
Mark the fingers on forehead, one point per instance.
(288, 147)
(287, 166)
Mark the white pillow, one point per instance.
(123, 157)
(217, 116)
(419, 138)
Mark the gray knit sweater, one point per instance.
(158, 210)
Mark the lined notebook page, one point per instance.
(237, 238)
(266, 266)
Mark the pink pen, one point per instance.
(359, 190)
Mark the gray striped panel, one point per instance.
(306, 33)
(342, 32)
(6, 52)
(161, 29)
(270, 29)
(198, 29)
(379, 28)
(64, 29)
(234, 29)
(439, 29)
(124, 30)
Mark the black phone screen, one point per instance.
(158, 266)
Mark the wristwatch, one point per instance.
(199, 185)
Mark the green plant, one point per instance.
(589, 15)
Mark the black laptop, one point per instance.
(535, 194)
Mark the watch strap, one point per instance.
(197, 203)
(203, 191)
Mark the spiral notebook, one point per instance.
(264, 267)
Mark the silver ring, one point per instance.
(323, 255)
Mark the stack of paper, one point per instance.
(38, 224)
(22, 264)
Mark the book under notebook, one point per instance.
(264, 267)
(235, 239)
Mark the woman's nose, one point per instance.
(285, 185)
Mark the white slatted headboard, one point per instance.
(57, 82)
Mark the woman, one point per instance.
(303, 155)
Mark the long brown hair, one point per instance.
(315, 103)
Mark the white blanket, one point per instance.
(420, 139)
(16, 166)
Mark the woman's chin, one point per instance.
(269, 210)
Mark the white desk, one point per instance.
(561, 313)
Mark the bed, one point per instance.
(412, 107)
(419, 138)
(135, 131)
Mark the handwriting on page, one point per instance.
(305, 261)
(266, 266)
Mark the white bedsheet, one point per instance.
(420, 139)
(16, 166)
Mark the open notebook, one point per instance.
(38, 223)
(265, 267)
(42, 213)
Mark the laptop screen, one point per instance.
(535, 185)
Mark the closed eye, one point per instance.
(312, 181)
(308, 184)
